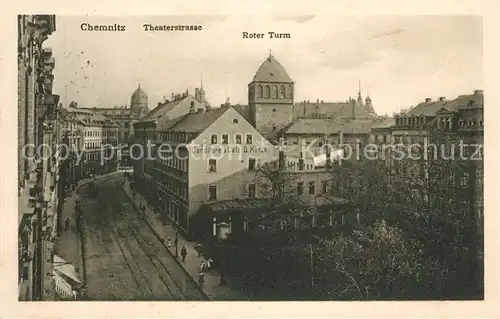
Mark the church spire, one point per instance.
(201, 81)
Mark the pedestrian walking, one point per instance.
(203, 266)
(66, 223)
(209, 263)
(169, 243)
(183, 253)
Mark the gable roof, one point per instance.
(330, 126)
(331, 110)
(461, 102)
(164, 108)
(198, 122)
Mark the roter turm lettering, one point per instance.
(268, 35)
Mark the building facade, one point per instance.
(38, 172)
(95, 141)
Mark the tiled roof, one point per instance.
(330, 126)
(243, 110)
(461, 102)
(197, 122)
(331, 110)
(162, 109)
(383, 123)
(88, 116)
(272, 71)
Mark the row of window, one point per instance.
(251, 189)
(273, 92)
(174, 186)
(173, 162)
(224, 138)
(93, 145)
(312, 187)
(175, 211)
(96, 133)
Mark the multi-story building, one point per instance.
(95, 139)
(125, 116)
(37, 173)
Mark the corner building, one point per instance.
(208, 156)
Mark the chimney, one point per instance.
(200, 110)
(172, 96)
(478, 92)
(442, 99)
(191, 108)
(428, 99)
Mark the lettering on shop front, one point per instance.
(229, 149)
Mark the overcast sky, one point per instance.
(400, 60)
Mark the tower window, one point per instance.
(267, 92)
(235, 121)
(274, 110)
(282, 92)
(259, 91)
(275, 92)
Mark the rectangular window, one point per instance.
(300, 188)
(212, 165)
(249, 139)
(324, 186)
(237, 138)
(212, 192)
(225, 139)
(251, 164)
(251, 190)
(213, 139)
(312, 188)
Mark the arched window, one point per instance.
(274, 92)
(282, 92)
(267, 92)
(290, 92)
(259, 91)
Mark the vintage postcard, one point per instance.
(201, 157)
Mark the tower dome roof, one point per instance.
(139, 97)
(272, 71)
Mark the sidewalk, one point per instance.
(211, 286)
(68, 245)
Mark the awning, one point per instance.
(65, 268)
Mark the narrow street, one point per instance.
(124, 258)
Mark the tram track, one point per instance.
(128, 233)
